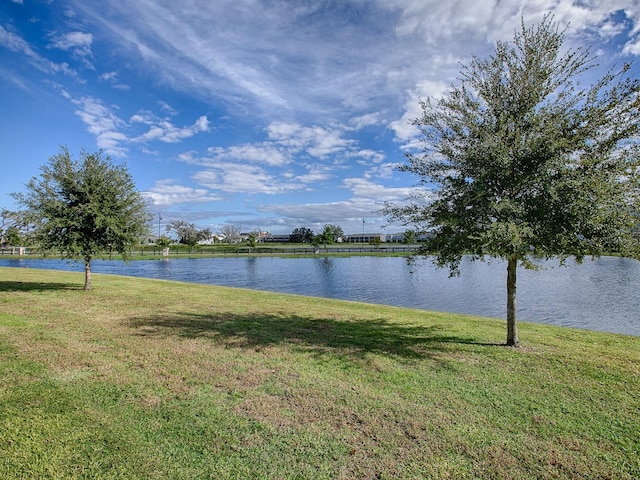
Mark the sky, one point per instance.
(265, 114)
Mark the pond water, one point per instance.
(603, 294)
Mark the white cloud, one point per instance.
(403, 128)
(264, 153)
(113, 133)
(288, 64)
(346, 213)
(366, 200)
(366, 120)
(108, 76)
(165, 107)
(289, 71)
(166, 132)
(167, 192)
(238, 178)
(144, 116)
(112, 78)
(383, 171)
(17, 44)
(436, 21)
(201, 125)
(315, 174)
(103, 124)
(459, 21)
(313, 215)
(254, 169)
(632, 48)
(610, 29)
(368, 156)
(77, 42)
(363, 188)
(316, 141)
(285, 142)
(15, 80)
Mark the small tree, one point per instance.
(9, 230)
(375, 241)
(327, 236)
(231, 233)
(520, 161)
(205, 235)
(164, 241)
(82, 208)
(12, 236)
(336, 231)
(409, 237)
(252, 240)
(185, 231)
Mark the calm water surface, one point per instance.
(603, 294)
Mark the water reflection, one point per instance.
(252, 267)
(602, 295)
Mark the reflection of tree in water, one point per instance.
(252, 270)
(327, 265)
(331, 282)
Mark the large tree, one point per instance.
(520, 162)
(82, 208)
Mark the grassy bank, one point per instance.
(155, 379)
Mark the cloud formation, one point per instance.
(283, 110)
(79, 43)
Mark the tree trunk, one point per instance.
(512, 328)
(87, 274)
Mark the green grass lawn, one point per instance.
(155, 379)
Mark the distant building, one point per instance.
(365, 237)
(354, 238)
(396, 237)
(283, 238)
(211, 240)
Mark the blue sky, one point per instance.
(268, 114)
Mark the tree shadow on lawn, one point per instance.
(13, 286)
(318, 335)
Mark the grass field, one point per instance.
(154, 379)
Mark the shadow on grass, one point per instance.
(379, 336)
(14, 286)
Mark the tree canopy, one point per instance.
(519, 161)
(336, 231)
(301, 235)
(231, 233)
(82, 208)
(188, 233)
(326, 236)
(10, 228)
